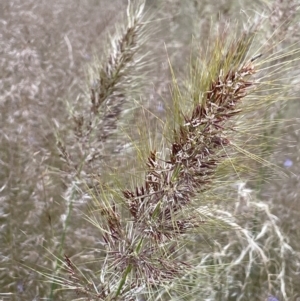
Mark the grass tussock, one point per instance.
(155, 197)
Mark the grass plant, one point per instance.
(148, 205)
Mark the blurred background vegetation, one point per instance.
(45, 48)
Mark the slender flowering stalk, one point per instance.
(113, 82)
(96, 114)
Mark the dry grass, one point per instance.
(118, 187)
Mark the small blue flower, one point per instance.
(288, 163)
(272, 298)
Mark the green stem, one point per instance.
(127, 271)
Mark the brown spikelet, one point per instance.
(194, 156)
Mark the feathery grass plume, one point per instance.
(113, 80)
(255, 241)
(146, 230)
(96, 115)
(253, 256)
(89, 147)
